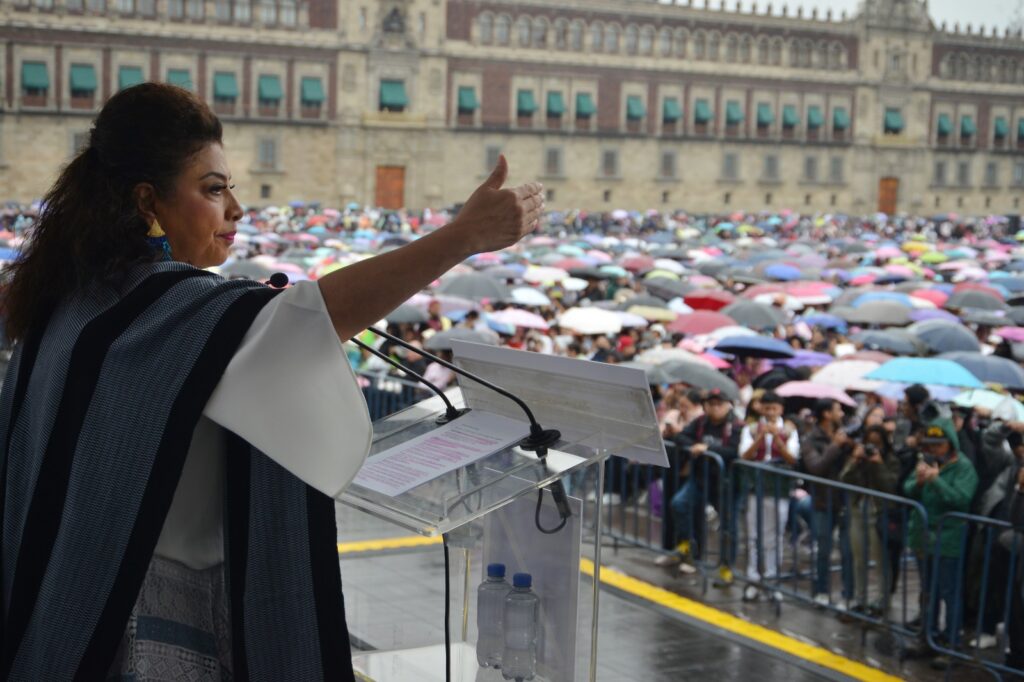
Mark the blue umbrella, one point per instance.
(825, 321)
(894, 296)
(991, 369)
(925, 371)
(755, 347)
(782, 272)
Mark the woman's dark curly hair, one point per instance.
(89, 228)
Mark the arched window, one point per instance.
(746, 47)
(523, 32)
(714, 41)
(540, 32)
(596, 37)
(835, 56)
(732, 49)
(794, 53)
(561, 34)
(699, 45)
(820, 56)
(632, 39)
(776, 56)
(485, 28)
(501, 29)
(576, 36)
(665, 42)
(646, 40)
(763, 51)
(611, 38)
(682, 43)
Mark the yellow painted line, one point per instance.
(386, 543)
(672, 601)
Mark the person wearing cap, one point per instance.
(715, 432)
(771, 440)
(943, 481)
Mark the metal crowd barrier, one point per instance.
(386, 394)
(987, 590)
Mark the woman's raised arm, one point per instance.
(492, 218)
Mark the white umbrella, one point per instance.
(590, 321)
(656, 356)
(670, 265)
(630, 319)
(519, 318)
(848, 374)
(574, 284)
(530, 296)
(537, 274)
(677, 305)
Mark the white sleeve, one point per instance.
(793, 444)
(746, 440)
(290, 391)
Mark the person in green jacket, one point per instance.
(944, 481)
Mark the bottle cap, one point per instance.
(495, 570)
(522, 580)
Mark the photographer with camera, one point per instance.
(943, 481)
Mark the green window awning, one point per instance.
(585, 105)
(268, 87)
(670, 110)
(815, 117)
(634, 108)
(893, 121)
(765, 115)
(180, 77)
(790, 117)
(311, 90)
(1002, 128)
(225, 85)
(967, 126)
(1020, 128)
(392, 95)
(733, 113)
(944, 126)
(840, 118)
(83, 78)
(525, 104)
(127, 76)
(467, 99)
(556, 104)
(34, 76)
(701, 111)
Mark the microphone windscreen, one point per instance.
(278, 280)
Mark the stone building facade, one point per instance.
(611, 103)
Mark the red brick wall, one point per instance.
(609, 101)
(322, 13)
(496, 99)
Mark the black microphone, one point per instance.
(539, 438)
(451, 412)
(278, 280)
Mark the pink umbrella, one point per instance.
(599, 256)
(933, 295)
(520, 318)
(888, 252)
(716, 362)
(861, 280)
(900, 271)
(542, 241)
(1015, 334)
(809, 389)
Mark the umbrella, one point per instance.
(407, 314)
(474, 286)
(652, 313)
(699, 322)
(714, 299)
(590, 321)
(700, 375)
(825, 321)
(941, 336)
(814, 391)
(882, 313)
(248, 269)
(991, 369)
(755, 315)
(1002, 406)
(807, 358)
(973, 298)
(984, 318)
(657, 356)
(667, 289)
(876, 356)
(449, 304)
(848, 375)
(642, 300)
(655, 375)
(537, 274)
(504, 272)
(517, 317)
(782, 272)
(1015, 334)
(889, 341)
(443, 340)
(894, 296)
(530, 296)
(630, 320)
(925, 371)
(755, 347)
(933, 314)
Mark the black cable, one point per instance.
(447, 613)
(536, 517)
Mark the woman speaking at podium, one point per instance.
(165, 514)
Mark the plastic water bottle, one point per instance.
(490, 616)
(522, 608)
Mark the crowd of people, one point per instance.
(881, 352)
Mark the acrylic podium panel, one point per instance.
(486, 510)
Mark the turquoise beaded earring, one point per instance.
(157, 239)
